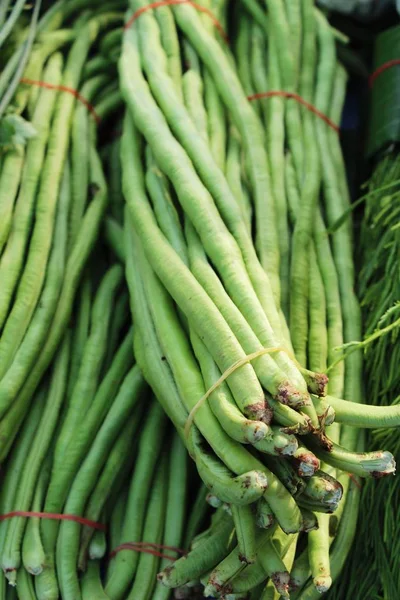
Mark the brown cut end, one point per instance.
(281, 580)
(322, 583)
(246, 561)
(379, 474)
(289, 396)
(321, 383)
(216, 588)
(164, 574)
(299, 429)
(306, 465)
(323, 440)
(327, 418)
(247, 482)
(268, 414)
(256, 412)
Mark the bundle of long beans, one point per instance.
(221, 189)
(53, 198)
(87, 466)
(204, 174)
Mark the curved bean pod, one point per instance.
(202, 558)
(12, 257)
(123, 567)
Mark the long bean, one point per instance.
(148, 351)
(124, 566)
(118, 462)
(222, 578)
(212, 176)
(80, 156)
(186, 372)
(364, 464)
(175, 506)
(343, 255)
(264, 366)
(196, 516)
(370, 417)
(12, 257)
(202, 558)
(17, 460)
(119, 421)
(276, 153)
(233, 174)
(221, 402)
(300, 290)
(81, 330)
(245, 533)
(92, 360)
(11, 554)
(11, 172)
(216, 121)
(62, 477)
(91, 582)
(33, 275)
(174, 275)
(243, 45)
(98, 545)
(249, 126)
(11, 20)
(266, 334)
(33, 555)
(170, 42)
(237, 458)
(240, 491)
(144, 583)
(25, 587)
(193, 91)
(199, 152)
(15, 376)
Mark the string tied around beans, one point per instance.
(63, 88)
(148, 548)
(198, 7)
(387, 65)
(53, 516)
(240, 363)
(300, 100)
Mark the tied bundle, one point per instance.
(231, 178)
(191, 256)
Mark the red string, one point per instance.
(55, 516)
(198, 7)
(64, 88)
(354, 480)
(387, 65)
(300, 100)
(148, 548)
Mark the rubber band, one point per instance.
(148, 548)
(387, 65)
(198, 7)
(225, 375)
(300, 100)
(64, 88)
(54, 516)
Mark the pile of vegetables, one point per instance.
(206, 225)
